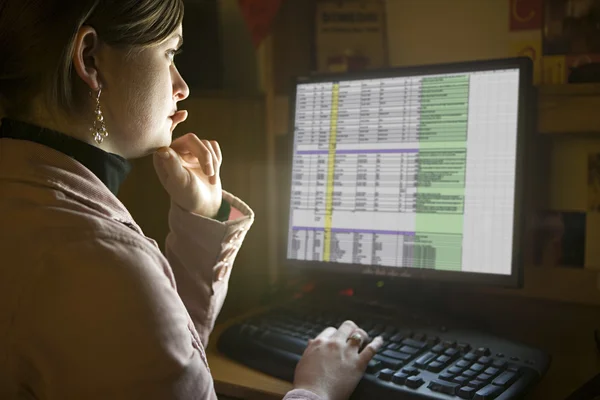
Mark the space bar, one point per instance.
(283, 342)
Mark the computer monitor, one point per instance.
(411, 172)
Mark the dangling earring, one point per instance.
(98, 128)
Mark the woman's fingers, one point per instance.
(370, 350)
(215, 161)
(363, 335)
(345, 330)
(169, 169)
(217, 149)
(190, 143)
(328, 332)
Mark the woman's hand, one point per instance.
(332, 365)
(189, 172)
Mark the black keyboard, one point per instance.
(419, 360)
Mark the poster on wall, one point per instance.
(351, 35)
(526, 15)
(259, 15)
(532, 48)
(525, 25)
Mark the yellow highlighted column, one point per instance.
(330, 171)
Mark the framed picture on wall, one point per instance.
(350, 35)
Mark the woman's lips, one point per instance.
(178, 118)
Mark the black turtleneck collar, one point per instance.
(110, 168)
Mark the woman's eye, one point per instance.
(173, 53)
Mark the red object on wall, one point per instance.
(526, 14)
(259, 16)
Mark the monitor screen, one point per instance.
(407, 170)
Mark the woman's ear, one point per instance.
(85, 51)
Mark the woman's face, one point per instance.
(139, 97)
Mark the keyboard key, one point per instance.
(435, 366)
(499, 364)
(366, 325)
(477, 367)
(471, 356)
(414, 382)
(466, 392)
(376, 331)
(414, 343)
(284, 342)
(505, 379)
(279, 330)
(446, 376)
(443, 359)
(451, 352)
(421, 337)
(389, 362)
(374, 366)
(462, 364)
(409, 350)
(463, 347)
(397, 338)
(488, 393)
(513, 368)
(449, 344)
(461, 380)
(484, 360)
(470, 373)
(397, 355)
(386, 374)
(492, 371)
(433, 340)
(425, 359)
(389, 331)
(455, 370)
(485, 377)
(399, 378)
(410, 370)
(477, 384)
(443, 387)
(482, 351)
(393, 346)
(438, 348)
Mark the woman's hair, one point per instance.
(37, 44)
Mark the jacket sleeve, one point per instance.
(103, 320)
(301, 394)
(201, 252)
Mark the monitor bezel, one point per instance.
(362, 273)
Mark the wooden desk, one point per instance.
(238, 381)
(563, 330)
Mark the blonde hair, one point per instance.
(37, 44)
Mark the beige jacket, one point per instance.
(89, 306)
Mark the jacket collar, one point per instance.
(110, 168)
(29, 162)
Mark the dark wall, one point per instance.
(201, 63)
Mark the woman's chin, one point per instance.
(150, 148)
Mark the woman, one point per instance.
(89, 307)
